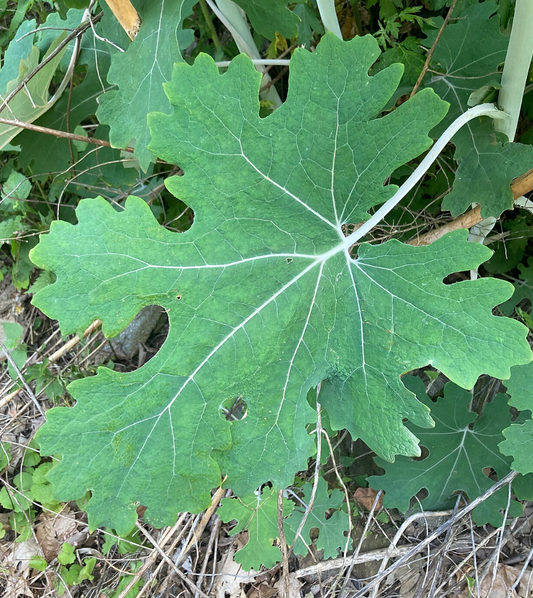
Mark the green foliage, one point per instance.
(460, 66)
(332, 532)
(258, 514)
(273, 254)
(67, 555)
(31, 100)
(519, 436)
(75, 574)
(144, 66)
(523, 288)
(309, 24)
(266, 299)
(269, 18)
(460, 448)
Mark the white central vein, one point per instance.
(287, 192)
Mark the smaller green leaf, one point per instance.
(332, 532)
(38, 562)
(519, 387)
(461, 447)
(518, 444)
(523, 288)
(259, 515)
(66, 556)
(31, 456)
(308, 25)
(484, 176)
(16, 187)
(41, 489)
(269, 18)
(8, 228)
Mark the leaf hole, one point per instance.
(178, 297)
(233, 409)
(289, 260)
(424, 453)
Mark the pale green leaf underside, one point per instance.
(263, 298)
(458, 455)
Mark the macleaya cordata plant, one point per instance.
(267, 295)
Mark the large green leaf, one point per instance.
(263, 296)
(139, 73)
(460, 446)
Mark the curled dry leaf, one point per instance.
(366, 497)
(56, 528)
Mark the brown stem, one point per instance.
(285, 581)
(519, 186)
(126, 15)
(78, 31)
(431, 50)
(56, 133)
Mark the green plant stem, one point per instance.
(516, 68)
(210, 26)
(261, 61)
(328, 14)
(233, 18)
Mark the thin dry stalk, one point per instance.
(432, 49)
(54, 357)
(126, 15)
(285, 581)
(170, 562)
(153, 556)
(440, 530)
(521, 185)
(203, 523)
(21, 377)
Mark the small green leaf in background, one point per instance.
(16, 187)
(309, 24)
(269, 18)
(523, 289)
(38, 562)
(11, 334)
(258, 514)
(332, 532)
(459, 452)
(4, 454)
(519, 436)
(139, 74)
(460, 66)
(67, 555)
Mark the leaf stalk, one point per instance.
(516, 68)
(328, 14)
(475, 112)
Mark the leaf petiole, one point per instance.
(475, 112)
